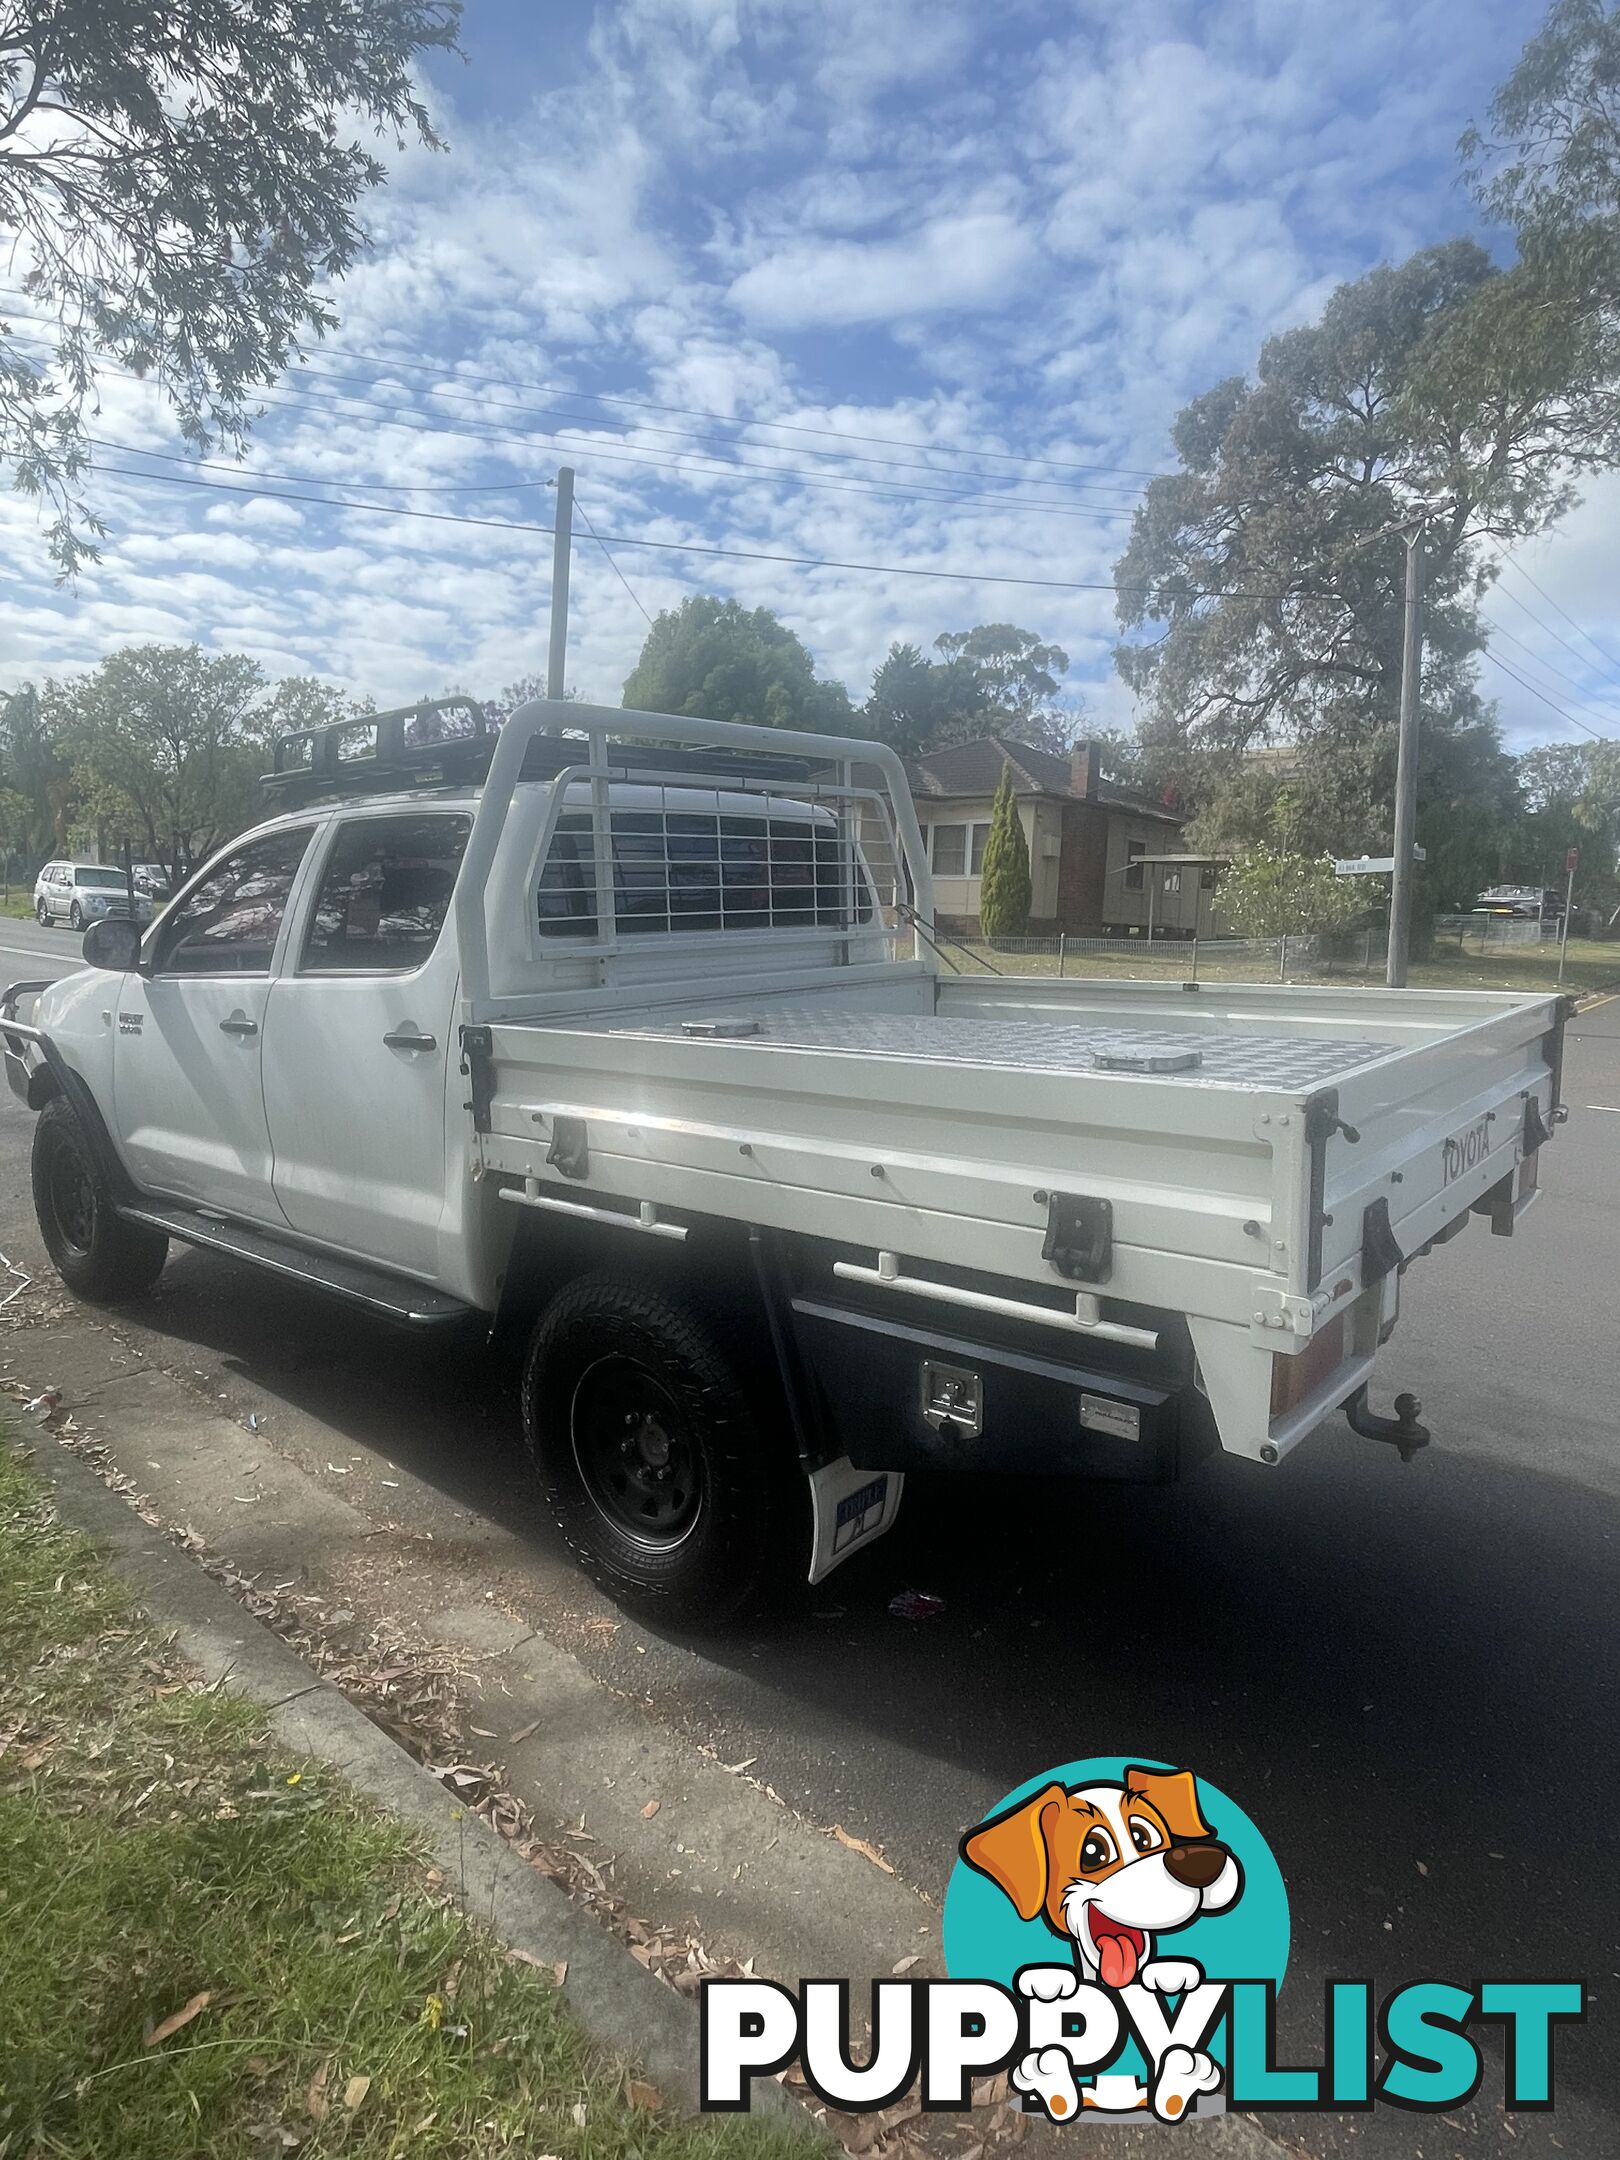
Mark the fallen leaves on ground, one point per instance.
(866, 1850)
(176, 2018)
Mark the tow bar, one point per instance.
(1402, 1430)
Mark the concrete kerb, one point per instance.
(622, 2006)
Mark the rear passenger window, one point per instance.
(385, 894)
(676, 870)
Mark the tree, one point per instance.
(178, 178)
(916, 705)
(1267, 893)
(1005, 895)
(1272, 561)
(36, 777)
(1571, 795)
(995, 680)
(717, 660)
(304, 701)
(168, 744)
(1014, 683)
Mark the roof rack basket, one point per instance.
(443, 742)
(449, 742)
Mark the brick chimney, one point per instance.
(1086, 770)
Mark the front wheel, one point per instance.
(641, 1423)
(75, 917)
(97, 1254)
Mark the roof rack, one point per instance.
(448, 742)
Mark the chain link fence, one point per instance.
(1356, 957)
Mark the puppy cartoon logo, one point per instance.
(1127, 1866)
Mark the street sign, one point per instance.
(1572, 860)
(1374, 865)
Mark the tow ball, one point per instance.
(1402, 1430)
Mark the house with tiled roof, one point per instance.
(1096, 851)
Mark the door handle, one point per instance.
(407, 1038)
(239, 1024)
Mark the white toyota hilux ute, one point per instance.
(631, 1031)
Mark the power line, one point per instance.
(1496, 660)
(584, 421)
(1546, 666)
(698, 413)
(677, 547)
(675, 463)
(608, 552)
(1607, 658)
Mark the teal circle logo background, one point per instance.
(984, 1939)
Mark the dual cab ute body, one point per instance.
(569, 1012)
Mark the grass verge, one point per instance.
(206, 1949)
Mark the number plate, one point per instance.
(1465, 1151)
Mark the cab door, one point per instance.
(358, 1039)
(188, 1089)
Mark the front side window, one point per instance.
(950, 850)
(228, 924)
(385, 894)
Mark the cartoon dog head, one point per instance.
(1109, 1866)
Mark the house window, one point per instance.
(1206, 878)
(980, 835)
(950, 850)
(1134, 874)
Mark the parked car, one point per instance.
(642, 1048)
(1521, 903)
(82, 893)
(152, 879)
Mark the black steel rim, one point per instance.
(73, 1198)
(635, 1453)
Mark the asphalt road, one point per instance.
(1405, 1673)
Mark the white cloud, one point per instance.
(969, 262)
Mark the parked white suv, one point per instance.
(82, 893)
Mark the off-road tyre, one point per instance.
(643, 1422)
(97, 1254)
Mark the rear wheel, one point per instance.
(97, 1254)
(42, 914)
(642, 1424)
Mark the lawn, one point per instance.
(207, 1949)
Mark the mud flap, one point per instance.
(851, 1508)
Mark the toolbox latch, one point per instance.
(1079, 1237)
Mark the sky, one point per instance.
(912, 286)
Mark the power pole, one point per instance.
(562, 555)
(1401, 879)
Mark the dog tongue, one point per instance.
(1116, 1956)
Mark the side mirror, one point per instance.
(113, 943)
